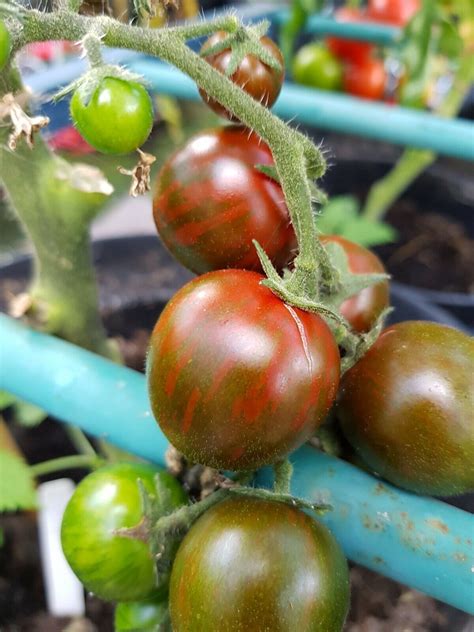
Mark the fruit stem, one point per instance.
(66, 463)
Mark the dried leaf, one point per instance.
(140, 174)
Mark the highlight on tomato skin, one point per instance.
(259, 80)
(362, 309)
(407, 408)
(254, 565)
(211, 202)
(238, 379)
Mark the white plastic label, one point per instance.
(64, 592)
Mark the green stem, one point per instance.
(413, 162)
(65, 463)
(283, 473)
(80, 441)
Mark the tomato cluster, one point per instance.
(352, 65)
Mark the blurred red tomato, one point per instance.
(68, 139)
(350, 50)
(396, 12)
(365, 79)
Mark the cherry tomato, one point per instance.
(5, 45)
(349, 50)
(114, 568)
(317, 67)
(396, 12)
(366, 79)
(211, 201)
(237, 378)
(140, 616)
(255, 565)
(117, 119)
(363, 309)
(407, 405)
(262, 82)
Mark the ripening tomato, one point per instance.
(362, 309)
(366, 79)
(254, 565)
(113, 567)
(396, 12)
(238, 379)
(317, 67)
(5, 45)
(118, 118)
(407, 407)
(260, 81)
(211, 202)
(349, 50)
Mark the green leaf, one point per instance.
(17, 489)
(336, 213)
(450, 42)
(367, 232)
(6, 400)
(27, 414)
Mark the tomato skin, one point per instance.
(5, 45)
(112, 567)
(366, 79)
(349, 50)
(395, 12)
(145, 616)
(211, 201)
(362, 309)
(118, 118)
(317, 67)
(243, 566)
(237, 379)
(257, 79)
(406, 407)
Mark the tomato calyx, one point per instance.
(242, 42)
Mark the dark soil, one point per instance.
(433, 251)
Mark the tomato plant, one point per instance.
(406, 407)
(317, 67)
(362, 309)
(5, 45)
(211, 202)
(142, 616)
(118, 118)
(236, 377)
(365, 79)
(113, 567)
(349, 50)
(396, 12)
(258, 79)
(249, 564)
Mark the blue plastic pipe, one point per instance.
(418, 541)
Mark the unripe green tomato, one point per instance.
(143, 616)
(118, 118)
(5, 45)
(114, 567)
(317, 67)
(251, 565)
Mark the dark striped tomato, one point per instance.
(407, 405)
(211, 201)
(362, 309)
(252, 75)
(249, 565)
(236, 377)
(113, 567)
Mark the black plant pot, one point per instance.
(440, 190)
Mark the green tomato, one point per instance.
(317, 67)
(145, 616)
(5, 45)
(249, 565)
(113, 567)
(117, 119)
